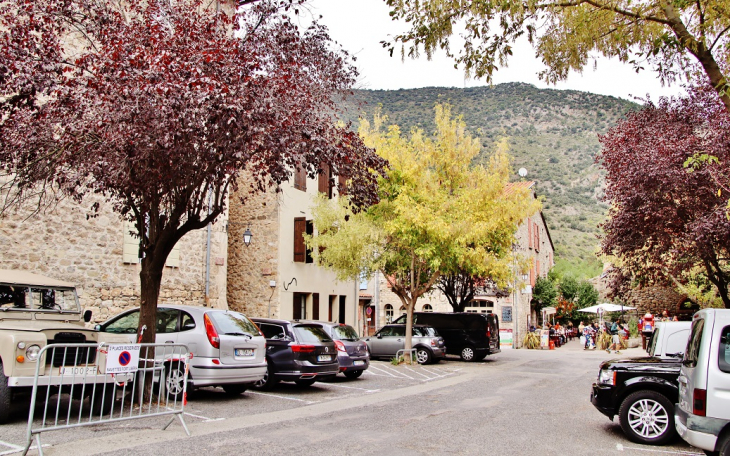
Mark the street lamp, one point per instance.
(247, 237)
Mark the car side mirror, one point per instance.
(87, 316)
(379, 336)
(97, 327)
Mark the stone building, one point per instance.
(275, 275)
(100, 256)
(379, 305)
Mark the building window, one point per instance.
(325, 180)
(301, 253)
(341, 182)
(427, 308)
(300, 178)
(388, 313)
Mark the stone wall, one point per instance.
(63, 244)
(654, 299)
(252, 268)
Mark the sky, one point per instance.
(360, 25)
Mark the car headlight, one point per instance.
(32, 352)
(606, 377)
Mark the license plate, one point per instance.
(324, 358)
(78, 371)
(243, 351)
(358, 363)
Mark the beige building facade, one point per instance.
(275, 276)
(532, 241)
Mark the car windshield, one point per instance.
(344, 332)
(18, 297)
(233, 323)
(308, 333)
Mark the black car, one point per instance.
(472, 336)
(642, 391)
(299, 352)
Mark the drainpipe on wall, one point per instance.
(207, 255)
(377, 300)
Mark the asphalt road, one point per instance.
(518, 402)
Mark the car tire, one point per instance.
(467, 354)
(353, 374)
(266, 383)
(647, 417)
(423, 355)
(235, 389)
(5, 396)
(174, 378)
(304, 382)
(723, 446)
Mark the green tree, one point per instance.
(544, 294)
(587, 295)
(568, 288)
(674, 38)
(438, 212)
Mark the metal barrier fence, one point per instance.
(97, 383)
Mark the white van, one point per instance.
(702, 417)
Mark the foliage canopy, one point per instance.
(161, 107)
(671, 37)
(665, 221)
(438, 212)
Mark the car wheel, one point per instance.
(353, 374)
(305, 382)
(175, 381)
(467, 353)
(723, 448)
(265, 383)
(647, 417)
(423, 355)
(5, 396)
(235, 389)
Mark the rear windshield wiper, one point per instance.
(239, 334)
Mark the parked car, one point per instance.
(642, 391)
(472, 336)
(296, 351)
(228, 349)
(702, 416)
(352, 352)
(427, 342)
(36, 311)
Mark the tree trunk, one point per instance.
(150, 280)
(409, 329)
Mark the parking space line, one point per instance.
(382, 370)
(282, 397)
(415, 372)
(204, 418)
(354, 387)
(399, 373)
(15, 448)
(373, 373)
(621, 447)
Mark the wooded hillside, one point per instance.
(552, 133)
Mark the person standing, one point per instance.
(615, 340)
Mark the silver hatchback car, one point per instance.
(228, 349)
(426, 341)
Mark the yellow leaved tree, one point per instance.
(439, 210)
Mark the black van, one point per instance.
(469, 335)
